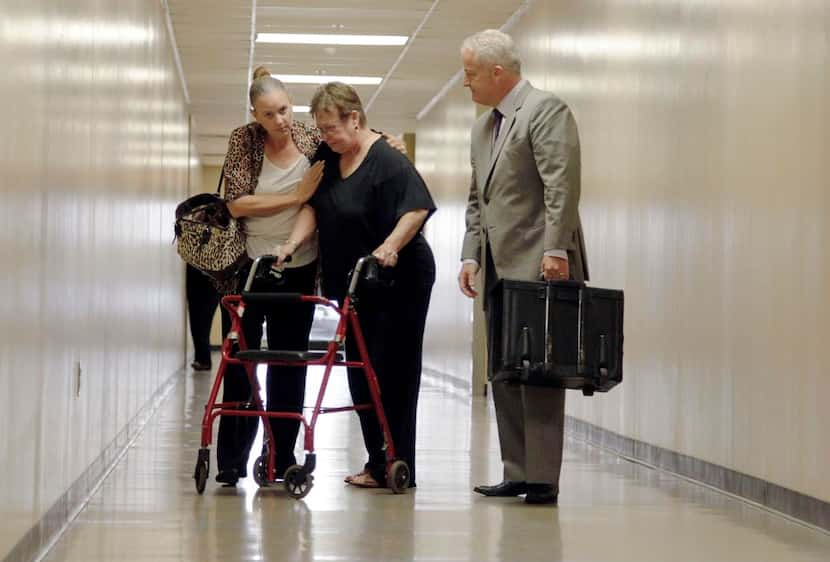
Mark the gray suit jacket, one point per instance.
(524, 193)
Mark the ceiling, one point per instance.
(214, 39)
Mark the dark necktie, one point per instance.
(497, 117)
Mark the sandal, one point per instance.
(348, 479)
(364, 480)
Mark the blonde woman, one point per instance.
(268, 180)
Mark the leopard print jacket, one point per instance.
(246, 150)
(243, 164)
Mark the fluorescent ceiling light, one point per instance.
(302, 109)
(331, 39)
(323, 78)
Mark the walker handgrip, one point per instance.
(369, 260)
(271, 297)
(262, 262)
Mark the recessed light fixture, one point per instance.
(301, 108)
(332, 39)
(323, 78)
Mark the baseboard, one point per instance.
(42, 536)
(807, 509)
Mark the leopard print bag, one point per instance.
(209, 238)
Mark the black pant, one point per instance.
(202, 300)
(392, 321)
(288, 326)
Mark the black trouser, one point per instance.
(392, 321)
(202, 300)
(288, 326)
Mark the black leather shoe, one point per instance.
(541, 494)
(506, 489)
(200, 366)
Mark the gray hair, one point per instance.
(492, 46)
(263, 83)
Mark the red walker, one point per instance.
(298, 478)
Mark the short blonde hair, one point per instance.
(338, 97)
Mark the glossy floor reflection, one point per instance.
(610, 509)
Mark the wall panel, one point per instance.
(94, 158)
(443, 159)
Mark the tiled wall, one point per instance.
(705, 132)
(93, 159)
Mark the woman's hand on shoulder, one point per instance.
(310, 182)
(395, 143)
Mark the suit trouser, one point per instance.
(202, 299)
(288, 326)
(531, 422)
(392, 322)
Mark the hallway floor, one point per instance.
(610, 509)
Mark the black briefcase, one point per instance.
(558, 334)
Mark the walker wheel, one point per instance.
(200, 475)
(398, 477)
(298, 483)
(261, 471)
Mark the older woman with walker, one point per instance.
(372, 201)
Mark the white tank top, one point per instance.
(266, 233)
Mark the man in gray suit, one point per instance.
(522, 222)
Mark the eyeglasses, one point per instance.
(330, 129)
(334, 127)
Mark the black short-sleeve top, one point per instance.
(356, 214)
